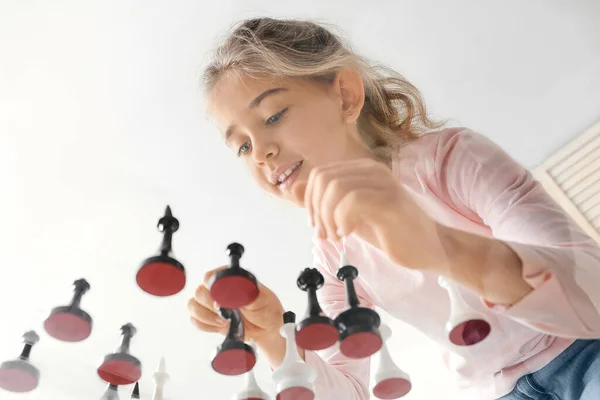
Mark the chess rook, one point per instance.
(465, 327)
(358, 326)
(70, 323)
(234, 357)
(390, 381)
(294, 379)
(121, 368)
(20, 376)
(251, 390)
(316, 331)
(233, 287)
(163, 275)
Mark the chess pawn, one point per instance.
(163, 275)
(358, 326)
(294, 379)
(121, 368)
(136, 391)
(465, 327)
(112, 393)
(233, 287)
(70, 323)
(316, 331)
(160, 378)
(234, 357)
(251, 390)
(390, 381)
(19, 376)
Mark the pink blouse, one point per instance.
(465, 181)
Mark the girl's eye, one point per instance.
(245, 148)
(275, 118)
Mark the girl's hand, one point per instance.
(262, 318)
(363, 197)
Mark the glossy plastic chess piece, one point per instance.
(234, 357)
(135, 394)
(294, 379)
(233, 287)
(465, 327)
(163, 275)
(20, 376)
(70, 323)
(160, 378)
(316, 331)
(111, 393)
(390, 381)
(121, 368)
(251, 390)
(358, 326)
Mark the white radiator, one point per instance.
(572, 178)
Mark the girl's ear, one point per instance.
(349, 88)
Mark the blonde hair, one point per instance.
(394, 111)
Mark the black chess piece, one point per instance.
(70, 323)
(358, 326)
(121, 368)
(233, 287)
(163, 275)
(20, 376)
(234, 357)
(316, 331)
(136, 391)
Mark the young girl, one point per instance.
(319, 127)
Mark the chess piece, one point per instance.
(20, 376)
(112, 393)
(294, 379)
(316, 331)
(160, 378)
(233, 287)
(121, 368)
(70, 323)
(465, 327)
(163, 275)
(390, 381)
(136, 391)
(251, 390)
(234, 357)
(358, 326)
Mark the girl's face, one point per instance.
(282, 128)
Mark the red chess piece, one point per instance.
(70, 323)
(163, 275)
(121, 368)
(20, 376)
(233, 287)
(234, 357)
(358, 326)
(316, 331)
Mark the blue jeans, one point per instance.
(573, 375)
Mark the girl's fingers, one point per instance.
(205, 315)
(205, 327)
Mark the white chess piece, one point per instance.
(112, 393)
(160, 378)
(251, 390)
(465, 326)
(390, 381)
(294, 379)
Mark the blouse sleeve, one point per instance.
(559, 260)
